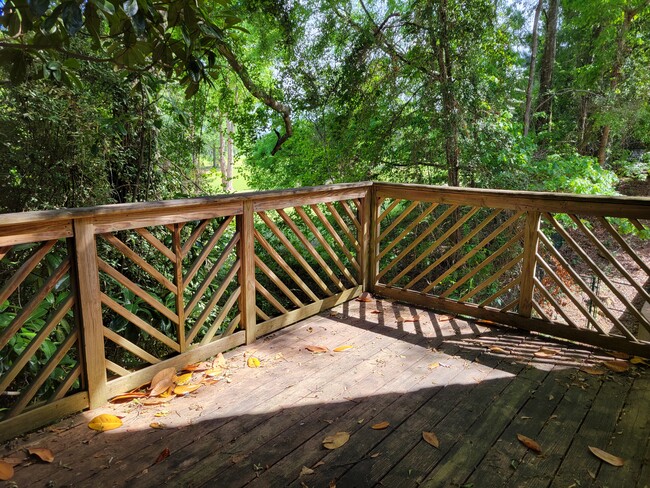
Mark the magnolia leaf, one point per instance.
(184, 379)
(431, 438)
(592, 370)
(529, 443)
(6, 471)
(127, 397)
(434, 365)
(164, 454)
(316, 349)
(253, 362)
(374, 455)
(365, 297)
(157, 425)
(219, 361)
(197, 366)
(380, 425)
(498, 349)
(376, 311)
(444, 318)
(185, 389)
(607, 457)
(305, 470)
(319, 463)
(335, 441)
(42, 453)
(105, 422)
(414, 318)
(216, 371)
(617, 366)
(168, 392)
(342, 348)
(618, 354)
(161, 381)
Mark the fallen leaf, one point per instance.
(316, 349)
(414, 318)
(185, 389)
(548, 350)
(157, 425)
(305, 470)
(542, 354)
(342, 348)
(431, 438)
(319, 463)
(168, 392)
(6, 471)
(127, 397)
(156, 400)
(161, 387)
(619, 355)
(332, 484)
(380, 426)
(375, 454)
(162, 413)
(376, 311)
(434, 365)
(617, 366)
(217, 371)
(334, 313)
(253, 362)
(638, 360)
(165, 375)
(592, 370)
(219, 361)
(444, 318)
(335, 441)
(498, 349)
(238, 458)
(105, 422)
(485, 322)
(164, 454)
(365, 297)
(197, 367)
(529, 443)
(184, 379)
(607, 457)
(42, 453)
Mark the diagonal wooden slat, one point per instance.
(408, 229)
(314, 253)
(155, 242)
(196, 233)
(4, 250)
(452, 250)
(539, 286)
(514, 239)
(231, 326)
(285, 267)
(323, 219)
(198, 294)
(67, 383)
(33, 304)
(417, 240)
(285, 242)
(128, 284)
(511, 305)
(342, 225)
(213, 302)
(227, 307)
(203, 255)
(332, 254)
(270, 298)
(351, 214)
(487, 282)
(541, 312)
(623, 243)
(116, 368)
(398, 220)
(637, 224)
(133, 256)
(141, 324)
(466, 257)
(457, 225)
(24, 270)
(500, 292)
(260, 313)
(388, 209)
(278, 282)
(129, 346)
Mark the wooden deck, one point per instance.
(475, 387)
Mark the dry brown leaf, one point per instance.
(164, 454)
(319, 463)
(376, 311)
(365, 297)
(157, 425)
(6, 471)
(549, 350)
(431, 438)
(530, 443)
(485, 322)
(157, 400)
(342, 348)
(380, 425)
(305, 471)
(165, 374)
(183, 379)
(617, 366)
(185, 389)
(41, 453)
(316, 349)
(105, 422)
(197, 367)
(498, 349)
(127, 397)
(541, 354)
(414, 318)
(216, 371)
(374, 455)
(335, 441)
(219, 361)
(332, 484)
(161, 387)
(618, 355)
(607, 457)
(253, 362)
(592, 370)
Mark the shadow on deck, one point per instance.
(475, 387)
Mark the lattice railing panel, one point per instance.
(39, 339)
(592, 273)
(305, 254)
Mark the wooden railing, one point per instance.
(95, 301)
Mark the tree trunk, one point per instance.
(545, 98)
(531, 72)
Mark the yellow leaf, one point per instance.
(42, 453)
(105, 422)
(184, 379)
(498, 349)
(380, 426)
(638, 360)
(253, 362)
(219, 361)
(607, 457)
(6, 471)
(617, 366)
(216, 371)
(157, 425)
(434, 365)
(529, 443)
(335, 441)
(127, 397)
(592, 370)
(431, 438)
(342, 348)
(305, 470)
(169, 392)
(316, 349)
(185, 389)
(162, 413)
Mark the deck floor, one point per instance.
(475, 387)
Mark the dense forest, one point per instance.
(119, 101)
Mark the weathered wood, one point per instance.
(386, 212)
(65, 386)
(558, 308)
(196, 233)
(343, 226)
(396, 221)
(227, 307)
(323, 219)
(207, 249)
(26, 232)
(269, 297)
(246, 275)
(501, 291)
(129, 346)
(363, 231)
(487, 282)
(155, 242)
(116, 368)
(350, 213)
(180, 287)
(404, 232)
(374, 242)
(278, 282)
(644, 266)
(528, 264)
(25, 269)
(324, 194)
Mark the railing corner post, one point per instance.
(90, 311)
(246, 252)
(531, 240)
(365, 239)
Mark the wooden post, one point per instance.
(529, 264)
(246, 252)
(90, 310)
(373, 248)
(364, 239)
(177, 248)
